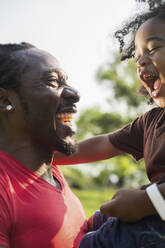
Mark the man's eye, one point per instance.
(53, 83)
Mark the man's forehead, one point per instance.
(36, 56)
(40, 64)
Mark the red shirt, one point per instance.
(34, 213)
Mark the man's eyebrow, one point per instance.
(60, 73)
(50, 71)
(155, 38)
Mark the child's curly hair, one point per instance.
(128, 30)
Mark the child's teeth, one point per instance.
(153, 93)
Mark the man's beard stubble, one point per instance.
(66, 148)
(61, 146)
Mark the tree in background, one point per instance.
(120, 78)
(125, 104)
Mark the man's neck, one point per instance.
(29, 155)
(37, 160)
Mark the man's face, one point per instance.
(150, 57)
(47, 102)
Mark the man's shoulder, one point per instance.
(5, 172)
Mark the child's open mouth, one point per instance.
(153, 82)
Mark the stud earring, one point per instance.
(9, 107)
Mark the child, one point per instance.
(137, 216)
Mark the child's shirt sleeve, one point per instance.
(130, 138)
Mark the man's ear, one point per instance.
(5, 103)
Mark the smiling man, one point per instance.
(36, 108)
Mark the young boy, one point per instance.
(137, 216)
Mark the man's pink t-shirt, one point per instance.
(34, 213)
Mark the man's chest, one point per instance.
(45, 217)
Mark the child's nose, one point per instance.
(143, 60)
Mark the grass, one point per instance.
(92, 199)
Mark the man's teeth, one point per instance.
(64, 117)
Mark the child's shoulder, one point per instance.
(154, 112)
(153, 115)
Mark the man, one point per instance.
(37, 208)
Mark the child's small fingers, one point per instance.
(106, 207)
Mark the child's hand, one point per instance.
(129, 205)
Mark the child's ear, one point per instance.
(5, 103)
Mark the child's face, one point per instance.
(150, 57)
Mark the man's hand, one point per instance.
(129, 205)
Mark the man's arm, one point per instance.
(90, 150)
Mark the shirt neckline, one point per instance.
(33, 175)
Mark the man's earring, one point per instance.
(9, 107)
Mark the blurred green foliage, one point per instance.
(92, 199)
(75, 178)
(121, 78)
(94, 122)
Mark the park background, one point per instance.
(80, 34)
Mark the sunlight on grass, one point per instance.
(93, 198)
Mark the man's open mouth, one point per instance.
(153, 82)
(65, 118)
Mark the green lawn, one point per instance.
(93, 198)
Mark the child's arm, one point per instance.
(90, 150)
(130, 205)
(127, 206)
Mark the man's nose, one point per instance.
(71, 94)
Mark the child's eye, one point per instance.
(152, 50)
(137, 58)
